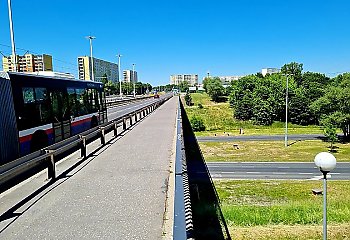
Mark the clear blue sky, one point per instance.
(164, 37)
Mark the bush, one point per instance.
(200, 106)
(197, 124)
(188, 99)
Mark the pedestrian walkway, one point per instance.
(119, 192)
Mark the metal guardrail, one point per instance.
(49, 154)
(115, 101)
(183, 225)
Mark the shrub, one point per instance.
(200, 106)
(188, 99)
(197, 124)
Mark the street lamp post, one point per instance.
(133, 77)
(325, 162)
(120, 82)
(92, 60)
(12, 37)
(286, 130)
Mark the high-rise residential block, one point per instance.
(192, 79)
(101, 68)
(130, 76)
(28, 63)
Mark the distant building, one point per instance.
(226, 80)
(192, 79)
(28, 63)
(101, 68)
(265, 71)
(130, 76)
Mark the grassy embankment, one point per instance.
(218, 119)
(270, 151)
(272, 209)
(284, 209)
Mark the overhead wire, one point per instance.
(75, 68)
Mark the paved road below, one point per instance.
(276, 170)
(294, 137)
(119, 192)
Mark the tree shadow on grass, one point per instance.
(208, 220)
(221, 99)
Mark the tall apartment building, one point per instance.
(130, 76)
(265, 71)
(101, 68)
(192, 79)
(28, 63)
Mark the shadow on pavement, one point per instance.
(208, 220)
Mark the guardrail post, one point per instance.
(130, 120)
(51, 166)
(115, 129)
(136, 117)
(103, 139)
(124, 123)
(83, 147)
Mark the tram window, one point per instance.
(56, 97)
(95, 100)
(99, 100)
(72, 100)
(103, 97)
(36, 110)
(42, 105)
(28, 95)
(82, 101)
(91, 100)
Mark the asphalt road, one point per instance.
(120, 110)
(293, 137)
(275, 170)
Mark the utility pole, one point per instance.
(12, 37)
(286, 130)
(133, 77)
(91, 58)
(120, 81)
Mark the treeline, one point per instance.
(127, 88)
(313, 98)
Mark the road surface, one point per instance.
(274, 170)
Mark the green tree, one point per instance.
(104, 79)
(197, 124)
(241, 97)
(330, 131)
(335, 105)
(294, 69)
(110, 87)
(188, 99)
(215, 89)
(184, 86)
(205, 83)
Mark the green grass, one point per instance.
(270, 151)
(218, 119)
(262, 203)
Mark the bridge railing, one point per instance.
(51, 153)
(114, 101)
(183, 226)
